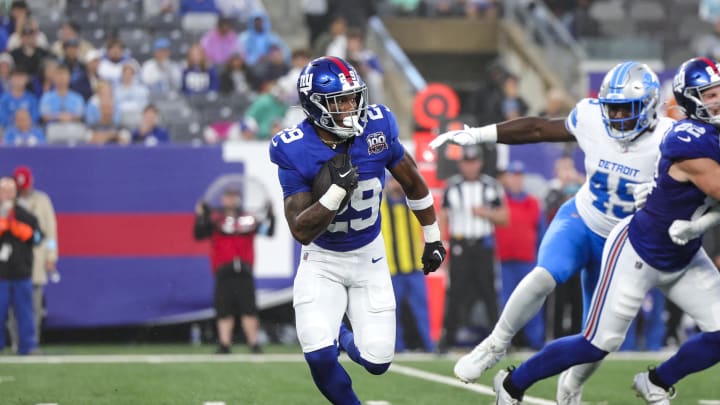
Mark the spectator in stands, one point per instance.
(555, 104)
(70, 33)
(221, 42)
(258, 38)
(111, 64)
(45, 255)
(316, 20)
(513, 106)
(288, 82)
(333, 42)
(107, 130)
(20, 232)
(234, 77)
(131, 96)
(150, 133)
(267, 109)
(23, 132)
(7, 64)
(517, 242)
(232, 233)
(19, 13)
(271, 67)
(62, 104)
(79, 80)
(367, 64)
(92, 67)
(17, 97)
(29, 55)
(198, 6)
(199, 76)
(161, 74)
(16, 39)
(152, 8)
(404, 246)
(103, 94)
(46, 80)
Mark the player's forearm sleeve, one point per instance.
(707, 221)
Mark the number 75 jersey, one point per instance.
(611, 166)
(299, 154)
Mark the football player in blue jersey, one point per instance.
(640, 254)
(619, 133)
(342, 268)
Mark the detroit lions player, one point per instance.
(343, 267)
(619, 133)
(640, 254)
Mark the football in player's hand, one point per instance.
(338, 170)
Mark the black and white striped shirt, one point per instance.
(461, 196)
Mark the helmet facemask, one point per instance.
(628, 126)
(344, 123)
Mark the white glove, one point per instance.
(462, 137)
(640, 193)
(682, 231)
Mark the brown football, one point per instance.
(323, 180)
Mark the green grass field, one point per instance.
(179, 374)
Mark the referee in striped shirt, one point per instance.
(472, 205)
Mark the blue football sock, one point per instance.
(330, 377)
(555, 357)
(696, 354)
(347, 343)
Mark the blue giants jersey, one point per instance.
(299, 154)
(671, 200)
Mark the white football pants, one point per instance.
(328, 284)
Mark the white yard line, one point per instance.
(479, 388)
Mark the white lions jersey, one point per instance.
(611, 166)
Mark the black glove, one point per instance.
(433, 256)
(343, 173)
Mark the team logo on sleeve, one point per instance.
(376, 143)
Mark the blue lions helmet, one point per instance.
(692, 79)
(324, 85)
(632, 87)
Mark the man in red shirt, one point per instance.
(232, 234)
(517, 244)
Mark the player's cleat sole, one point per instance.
(482, 358)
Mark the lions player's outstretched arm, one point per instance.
(518, 131)
(307, 219)
(421, 203)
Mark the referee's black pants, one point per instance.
(472, 278)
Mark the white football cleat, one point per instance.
(483, 357)
(502, 397)
(651, 393)
(565, 395)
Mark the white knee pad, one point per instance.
(378, 351)
(314, 336)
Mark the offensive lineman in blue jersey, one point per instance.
(619, 133)
(640, 254)
(343, 267)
